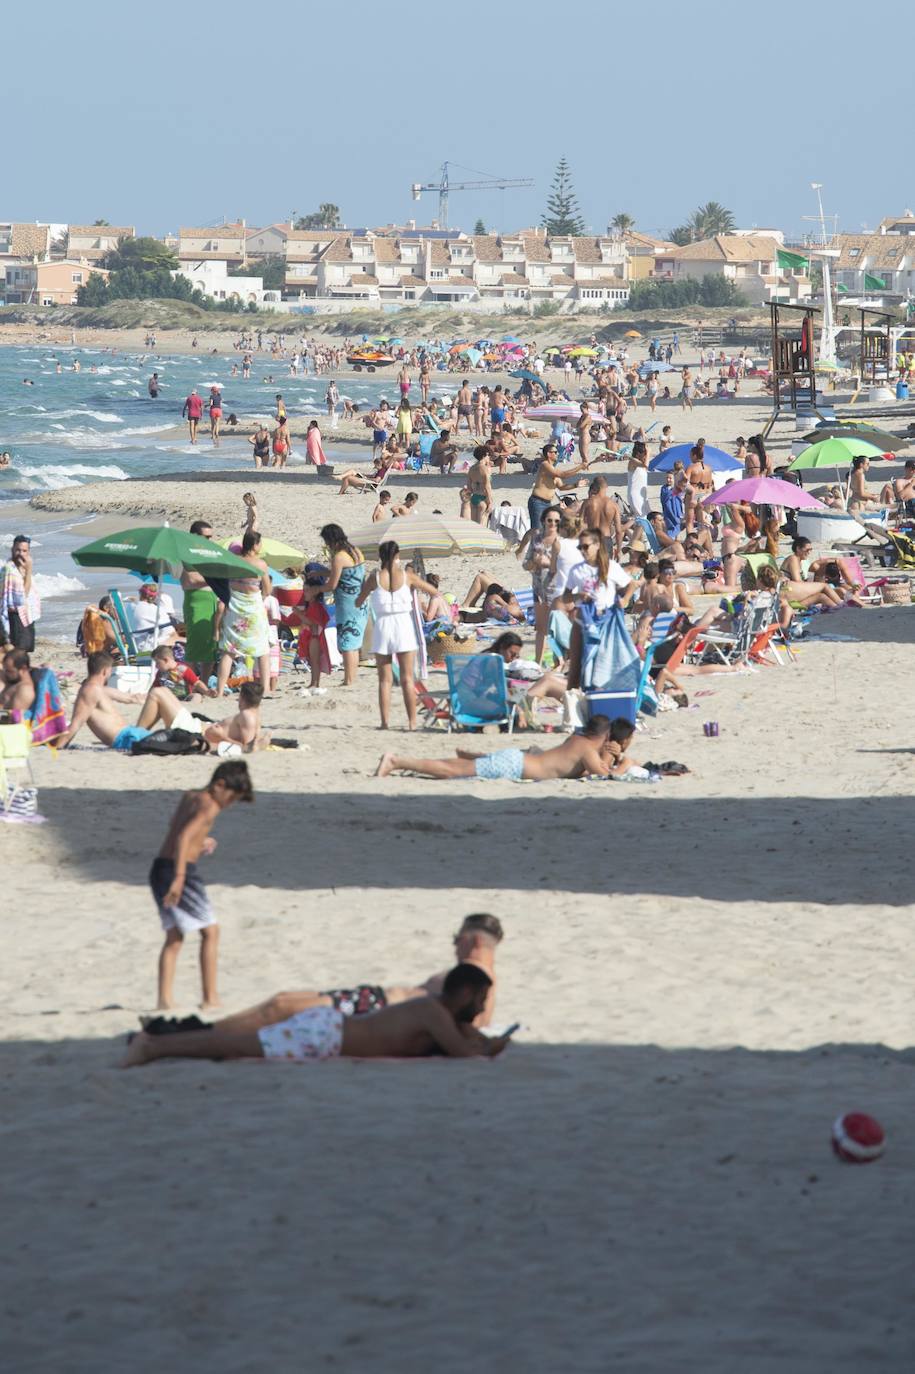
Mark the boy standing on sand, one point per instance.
(176, 885)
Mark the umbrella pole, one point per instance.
(158, 604)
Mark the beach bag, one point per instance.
(164, 742)
(21, 801)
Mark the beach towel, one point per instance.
(609, 658)
(46, 715)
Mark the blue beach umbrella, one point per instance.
(510, 338)
(529, 376)
(715, 458)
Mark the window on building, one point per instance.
(76, 277)
(854, 252)
(47, 300)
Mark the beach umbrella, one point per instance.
(715, 458)
(274, 552)
(556, 410)
(632, 334)
(510, 339)
(458, 347)
(833, 453)
(884, 440)
(765, 491)
(527, 375)
(432, 536)
(395, 341)
(582, 352)
(157, 550)
(474, 355)
(645, 368)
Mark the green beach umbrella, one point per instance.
(158, 549)
(885, 441)
(833, 453)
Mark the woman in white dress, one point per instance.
(389, 592)
(637, 479)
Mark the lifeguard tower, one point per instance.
(794, 384)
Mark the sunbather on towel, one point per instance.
(475, 943)
(578, 755)
(96, 703)
(442, 1024)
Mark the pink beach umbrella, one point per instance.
(557, 410)
(765, 491)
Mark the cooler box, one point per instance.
(832, 527)
(612, 705)
(132, 677)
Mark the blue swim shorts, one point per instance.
(507, 764)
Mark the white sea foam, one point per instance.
(57, 476)
(103, 416)
(56, 584)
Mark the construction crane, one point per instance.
(444, 186)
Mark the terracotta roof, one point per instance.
(535, 248)
(587, 250)
(386, 250)
(338, 251)
(30, 240)
(514, 279)
(280, 229)
(210, 255)
(438, 254)
(233, 227)
(410, 280)
(633, 238)
(906, 218)
(103, 231)
(878, 251)
(310, 235)
(728, 248)
(362, 279)
(618, 283)
(487, 248)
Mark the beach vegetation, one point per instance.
(562, 215)
(479, 227)
(661, 295)
(100, 223)
(622, 222)
(271, 268)
(545, 308)
(327, 216)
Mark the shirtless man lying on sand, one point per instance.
(576, 757)
(96, 707)
(442, 1024)
(475, 943)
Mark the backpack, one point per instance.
(163, 742)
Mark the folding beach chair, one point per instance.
(651, 538)
(478, 692)
(128, 645)
(15, 743)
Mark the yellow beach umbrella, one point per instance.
(274, 552)
(433, 536)
(632, 334)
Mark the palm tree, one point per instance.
(622, 223)
(711, 219)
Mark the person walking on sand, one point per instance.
(177, 887)
(215, 414)
(437, 1025)
(20, 604)
(576, 757)
(193, 409)
(394, 633)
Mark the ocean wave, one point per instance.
(103, 417)
(56, 584)
(57, 476)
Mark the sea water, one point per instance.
(100, 425)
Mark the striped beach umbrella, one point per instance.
(433, 536)
(556, 410)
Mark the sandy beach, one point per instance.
(707, 972)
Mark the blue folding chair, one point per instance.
(478, 692)
(134, 654)
(650, 536)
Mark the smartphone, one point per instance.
(506, 1034)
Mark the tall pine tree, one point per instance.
(562, 213)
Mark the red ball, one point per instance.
(858, 1138)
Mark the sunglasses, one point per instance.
(589, 544)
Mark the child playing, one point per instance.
(179, 891)
(274, 621)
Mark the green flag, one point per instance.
(792, 261)
(842, 287)
(874, 283)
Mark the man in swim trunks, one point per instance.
(479, 484)
(601, 512)
(193, 409)
(497, 411)
(475, 943)
(95, 705)
(442, 453)
(423, 1026)
(576, 757)
(464, 408)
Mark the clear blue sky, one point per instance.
(165, 114)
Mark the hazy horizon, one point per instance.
(185, 124)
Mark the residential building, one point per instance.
(47, 283)
(92, 242)
(212, 278)
(867, 259)
(642, 250)
(898, 224)
(225, 243)
(267, 242)
(21, 244)
(748, 260)
(523, 267)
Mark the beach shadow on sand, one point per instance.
(604, 838)
(580, 1207)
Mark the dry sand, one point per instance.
(707, 973)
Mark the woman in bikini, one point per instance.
(860, 495)
(281, 443)
(551, 479)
